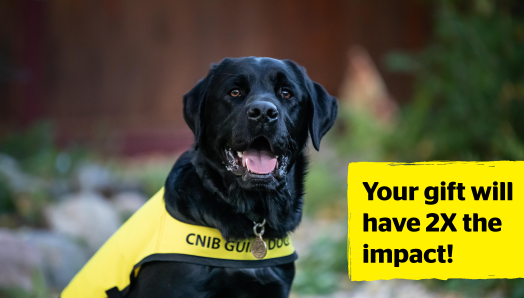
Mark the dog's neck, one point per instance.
(198, 193)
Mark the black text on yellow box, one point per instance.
(469, 238)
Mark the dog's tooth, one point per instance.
(247, 168)
(240, 154)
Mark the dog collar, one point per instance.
(152, 234)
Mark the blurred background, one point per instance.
(91, 115)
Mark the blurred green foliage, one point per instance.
(320, 271)
(509, 288)
(360, 135)
(31, 158)
(39, 289)
(7, 204)
(322, 188)
(469, 92)
(150, 174)
(36, 152)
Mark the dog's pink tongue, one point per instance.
(259, 161)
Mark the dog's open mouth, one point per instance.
(258, 160)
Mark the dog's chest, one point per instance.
(173, 279)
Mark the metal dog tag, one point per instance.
(259, 247)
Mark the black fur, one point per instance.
(201, 190)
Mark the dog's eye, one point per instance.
(235, 93)
(285, 94)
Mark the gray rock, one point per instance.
(92, 177)
(59, 257)
(18, 261)
(84, 215)
(128, 202)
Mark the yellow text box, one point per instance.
(454, 246)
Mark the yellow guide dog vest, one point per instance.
(152, 234)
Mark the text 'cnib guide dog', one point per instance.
(220, 226)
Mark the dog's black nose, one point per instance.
(262, 111)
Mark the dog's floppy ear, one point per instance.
(322, 111)
(322, 108)
(194, 105)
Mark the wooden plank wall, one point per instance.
(115, 70)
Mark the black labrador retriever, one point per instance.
(251, 118)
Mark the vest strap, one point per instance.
(113, 293)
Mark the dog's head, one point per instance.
(251, 117)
